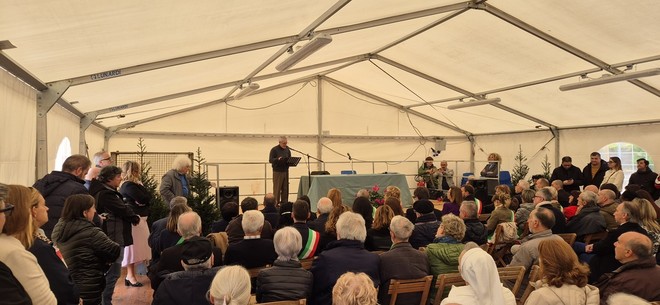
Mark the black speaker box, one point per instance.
(226, 194)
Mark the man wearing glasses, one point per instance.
(101, 159)
(58, 185)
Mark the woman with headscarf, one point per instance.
(483, 287)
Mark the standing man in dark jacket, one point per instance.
(569, 174)
(58, 185)
(594, 172)
(401, 262)
(345, 254)
(278, 157)
(644, 177)
(189, 286)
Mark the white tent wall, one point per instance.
(95, 139)
(61, 124)
(18, 130)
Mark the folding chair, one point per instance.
(499, 248)
(446, 281)
(484, 217)
(307, 263)
(534, 275)
(514, 273)
(254, 272)
(421, 285)
(568, 237)
(292, 302)
(594, 237)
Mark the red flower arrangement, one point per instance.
(375, 197)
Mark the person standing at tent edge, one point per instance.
(278, 158)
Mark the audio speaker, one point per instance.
(226, 194)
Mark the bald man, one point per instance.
(639, 275)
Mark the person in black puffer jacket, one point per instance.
(87, 251)
(117, 224)
(58, 185)
(475, 231)
(286, 280)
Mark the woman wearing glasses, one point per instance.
(18, 235)
(614, 175)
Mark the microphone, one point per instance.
(349, 156)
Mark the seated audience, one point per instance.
(230, 286)
(253, 251)
(286, 280)
(607, 204)
(334, 194)
(639, 274)
(17, 236)
(539, 222)
(402, 262)
(468, 195)
(378, 236)
(285, 214)
(190, 285)
(305, 198)
(501, 213)
(10, 288)
(323, 207)
(588, 219)
(227, 212)
(189, 225)
(446, 247)
(520, 187)
(421, 194)
(354, 289)
(392, 191)
(331, 225)
(454, 200)
(426, 224)
(364, 193)
(482, 280)
(542, 199)
(168, 236)
(526, 207)
(363, 207)
(235, 229)
(621, 298)
(571, 209)
(347, 253)
(563, 277)
(600, 255)
(613, 188)
(562, 195)
(475, 231)
(87, 251)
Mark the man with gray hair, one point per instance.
(543, 199)
(362, 193)
(175, 181)
(345, 254)
(189, 226)
(475, 231)
(639, 275)
(401, 262)
(588, 219)
(189, 286)
(323, 207)
(279, 157)
(607, 203)
(562, 195)
(253, 251)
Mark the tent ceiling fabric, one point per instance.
(418, 54)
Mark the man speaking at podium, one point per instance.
(278, 157)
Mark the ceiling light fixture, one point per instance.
(473, 103)
(249, 89)
(312, 46)
(606, 79)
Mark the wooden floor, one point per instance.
(132, 295)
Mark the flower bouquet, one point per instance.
(375, 197)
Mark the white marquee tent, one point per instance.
(103, 74)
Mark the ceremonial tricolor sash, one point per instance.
(310, 247)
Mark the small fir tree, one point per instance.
(547, 168)
(199, 198)
(157, 208)
(520, 169)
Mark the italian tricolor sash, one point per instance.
(312, 242)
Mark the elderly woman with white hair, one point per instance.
(230, 286)
(286, 280)
(175, 181)
(483, 287)
(347, 253)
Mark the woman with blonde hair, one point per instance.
(354, 289)
(648, 220)
(331, 224)
(17, 236)
(392, 191)
(335, 195)
(563, 277)
(230, 286)
(378, 236)
(138, 199)
(492, 169)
